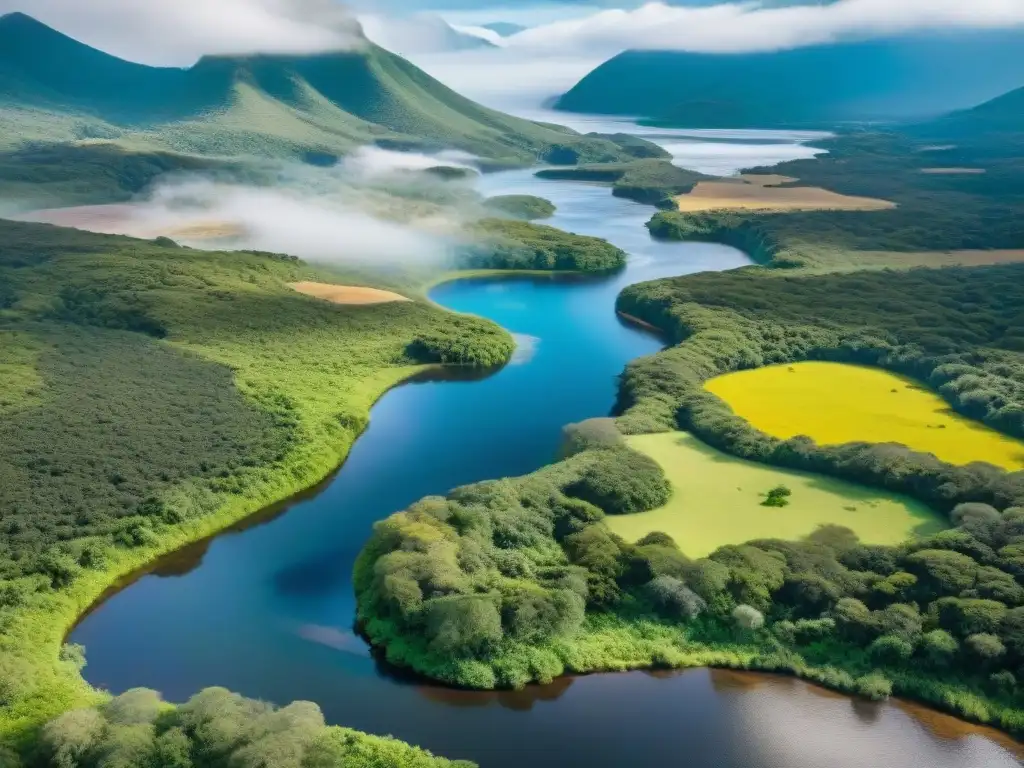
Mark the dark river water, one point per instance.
(266, 609)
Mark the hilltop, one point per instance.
(815, 86)
(57, 91)
(1002, 116)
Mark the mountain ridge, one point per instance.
(324, 102)
(814, 86)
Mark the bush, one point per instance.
(939, 647)
(592, 433)
(891, 649)
(875, 687)
(747, 617)
(1003, 682)
(623, 482)
(463, 625)
(984, 648)
(777, 497)
(674, 599)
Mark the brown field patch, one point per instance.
(346, 294)
(731, 195)
(767, 179)
(953, 171)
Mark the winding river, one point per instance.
(266, 609)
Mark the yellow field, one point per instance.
(716, 500)
(757, 193)
(835, 403)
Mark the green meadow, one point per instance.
(717, 500)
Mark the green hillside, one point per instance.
(1002, 116)
(57, 91)
(814, 86)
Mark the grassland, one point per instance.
(717, 500)
(835, 403)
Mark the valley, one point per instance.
(424, 426)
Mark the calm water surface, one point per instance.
(267, 609)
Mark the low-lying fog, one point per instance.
(376, 207)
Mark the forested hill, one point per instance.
(812, 86)
(1002, 116)
(261, 104)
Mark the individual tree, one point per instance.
(939, 647)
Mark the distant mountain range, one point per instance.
(997, 118)
(57, 90)
(816, 86)
(505, 28)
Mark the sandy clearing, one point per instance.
(346, 294)
(953, 171)
(724, 195)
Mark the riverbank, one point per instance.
(797, 607)
(229, 397)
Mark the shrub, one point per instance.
(984, 647)
(939, 647)
(777, 497)
(463, 625)
(1003, 682)
(747, 617)
(622, 482)
(891, 649)
(592, 433)
(875, 687)
(674, 599)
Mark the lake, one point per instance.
(266, 609)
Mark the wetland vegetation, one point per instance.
(718, 499)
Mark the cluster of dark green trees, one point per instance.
(525, 207)
(509, 581)
(113, 420)
(516, 580)
(507, 244)
(649, 181)
(214, 729)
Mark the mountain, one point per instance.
(505, 28)
(1000, 117)
(57, 90)
(815, 86)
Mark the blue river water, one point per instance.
(267, 609)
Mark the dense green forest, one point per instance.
(505, 244)
(153, 394)
(214, 729)
(516, 580)
(651, 181)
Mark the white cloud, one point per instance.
(750, 26)
(177, 32)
